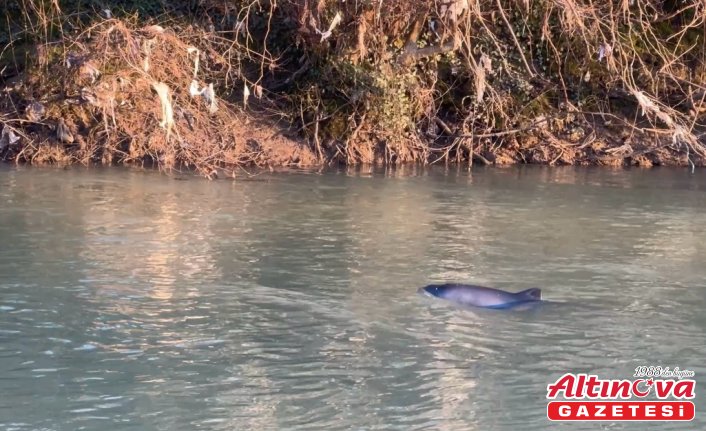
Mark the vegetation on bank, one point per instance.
(213, 84)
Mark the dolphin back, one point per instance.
(533, 294)
(481, 296)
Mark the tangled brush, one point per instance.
(121, 94)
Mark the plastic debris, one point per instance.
(156, 29)
(147, 48)
(453, 9)
(484, 67)
(194, 89)
(167, 112)
(240, 28)
(73, 59)
(8, 137)
(680, 134)
(210, 96)
(191, 50)
(206, 92)
(88, 96)
(325, 35)
(63, 133)
(646, 105)
(35, 111)
(246, 94)
(432, 27)
(604, 51)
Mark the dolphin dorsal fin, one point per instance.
(533, 293)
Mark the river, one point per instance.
(134, 300)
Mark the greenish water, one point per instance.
(133, 301)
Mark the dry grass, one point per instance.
(631, 72)
(118, 92)
(490, 81)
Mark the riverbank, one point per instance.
(220, 88)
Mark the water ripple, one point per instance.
(132, 302)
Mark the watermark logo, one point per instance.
(653, 394)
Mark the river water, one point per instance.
(133, 300)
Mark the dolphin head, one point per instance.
(437, 290)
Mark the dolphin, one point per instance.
(480, 296)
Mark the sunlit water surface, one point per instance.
(134, 300)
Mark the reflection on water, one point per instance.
(131, 300)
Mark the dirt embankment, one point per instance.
(133, 95)
(242, 83)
